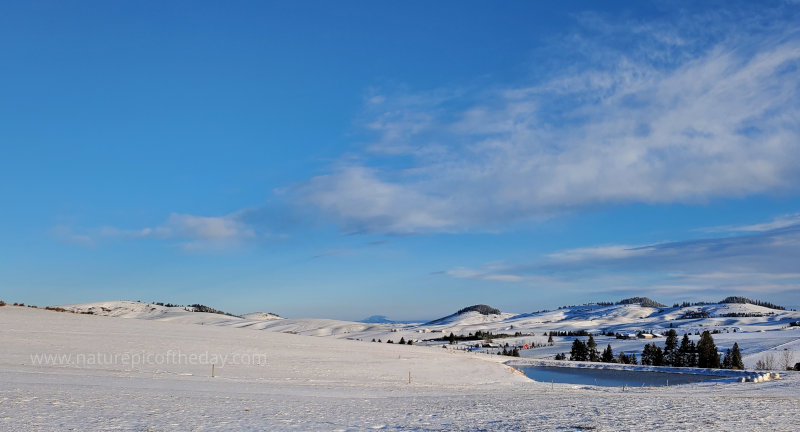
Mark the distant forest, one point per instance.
(647, 302)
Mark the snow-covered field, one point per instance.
(63, 371)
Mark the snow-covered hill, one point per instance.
(62, 371)
(254, 321)
(758, 329)
(620, 318)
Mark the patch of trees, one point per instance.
(733, 358)
(203, 308)
(746, 314)
(734, 300)
(569, 333)
(479, 335)
(644, 301)
(481, 309)
(686, 354)
(584, 351)
(401, 342)
(507, 352)
(694, 315)
(690, 304)
(745, 300)
(166, 304)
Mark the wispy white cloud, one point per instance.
(191, 233)
(599, 252)
(750, 263)
(465, 273)
(671, 120)
(784, 221)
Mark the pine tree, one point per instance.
(684, 352)
(691, 355)
(652, 355)
(707, 355)
(736, 357)
(515, 353)
(550, 339)
(726, 361)
(402, 340)
(626, 359)
(579, 351)
(608, 355)
(452, 338)
(671, 348)
(591, 346)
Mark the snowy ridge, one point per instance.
(620, 318)
(626, 318)
(253, 321)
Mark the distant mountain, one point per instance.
(377, 319)
(382, 319)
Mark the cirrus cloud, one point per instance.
(672, 120)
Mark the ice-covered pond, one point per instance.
(610, 377)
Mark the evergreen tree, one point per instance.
(579, 351)
(608, 355)
(410, 342)
(452, 338)
(682, 356)
(736, 357)
(671, 348)
(646, 355)
(402, 340)
(691, 355)
(707, 355)
(515, 353)
(550, 339)
(726, 361)
(626, 359)
(652, 355)
(591, 346)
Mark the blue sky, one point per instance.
(345, 159)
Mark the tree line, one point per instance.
(704, 354)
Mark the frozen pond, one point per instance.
(610, 377)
